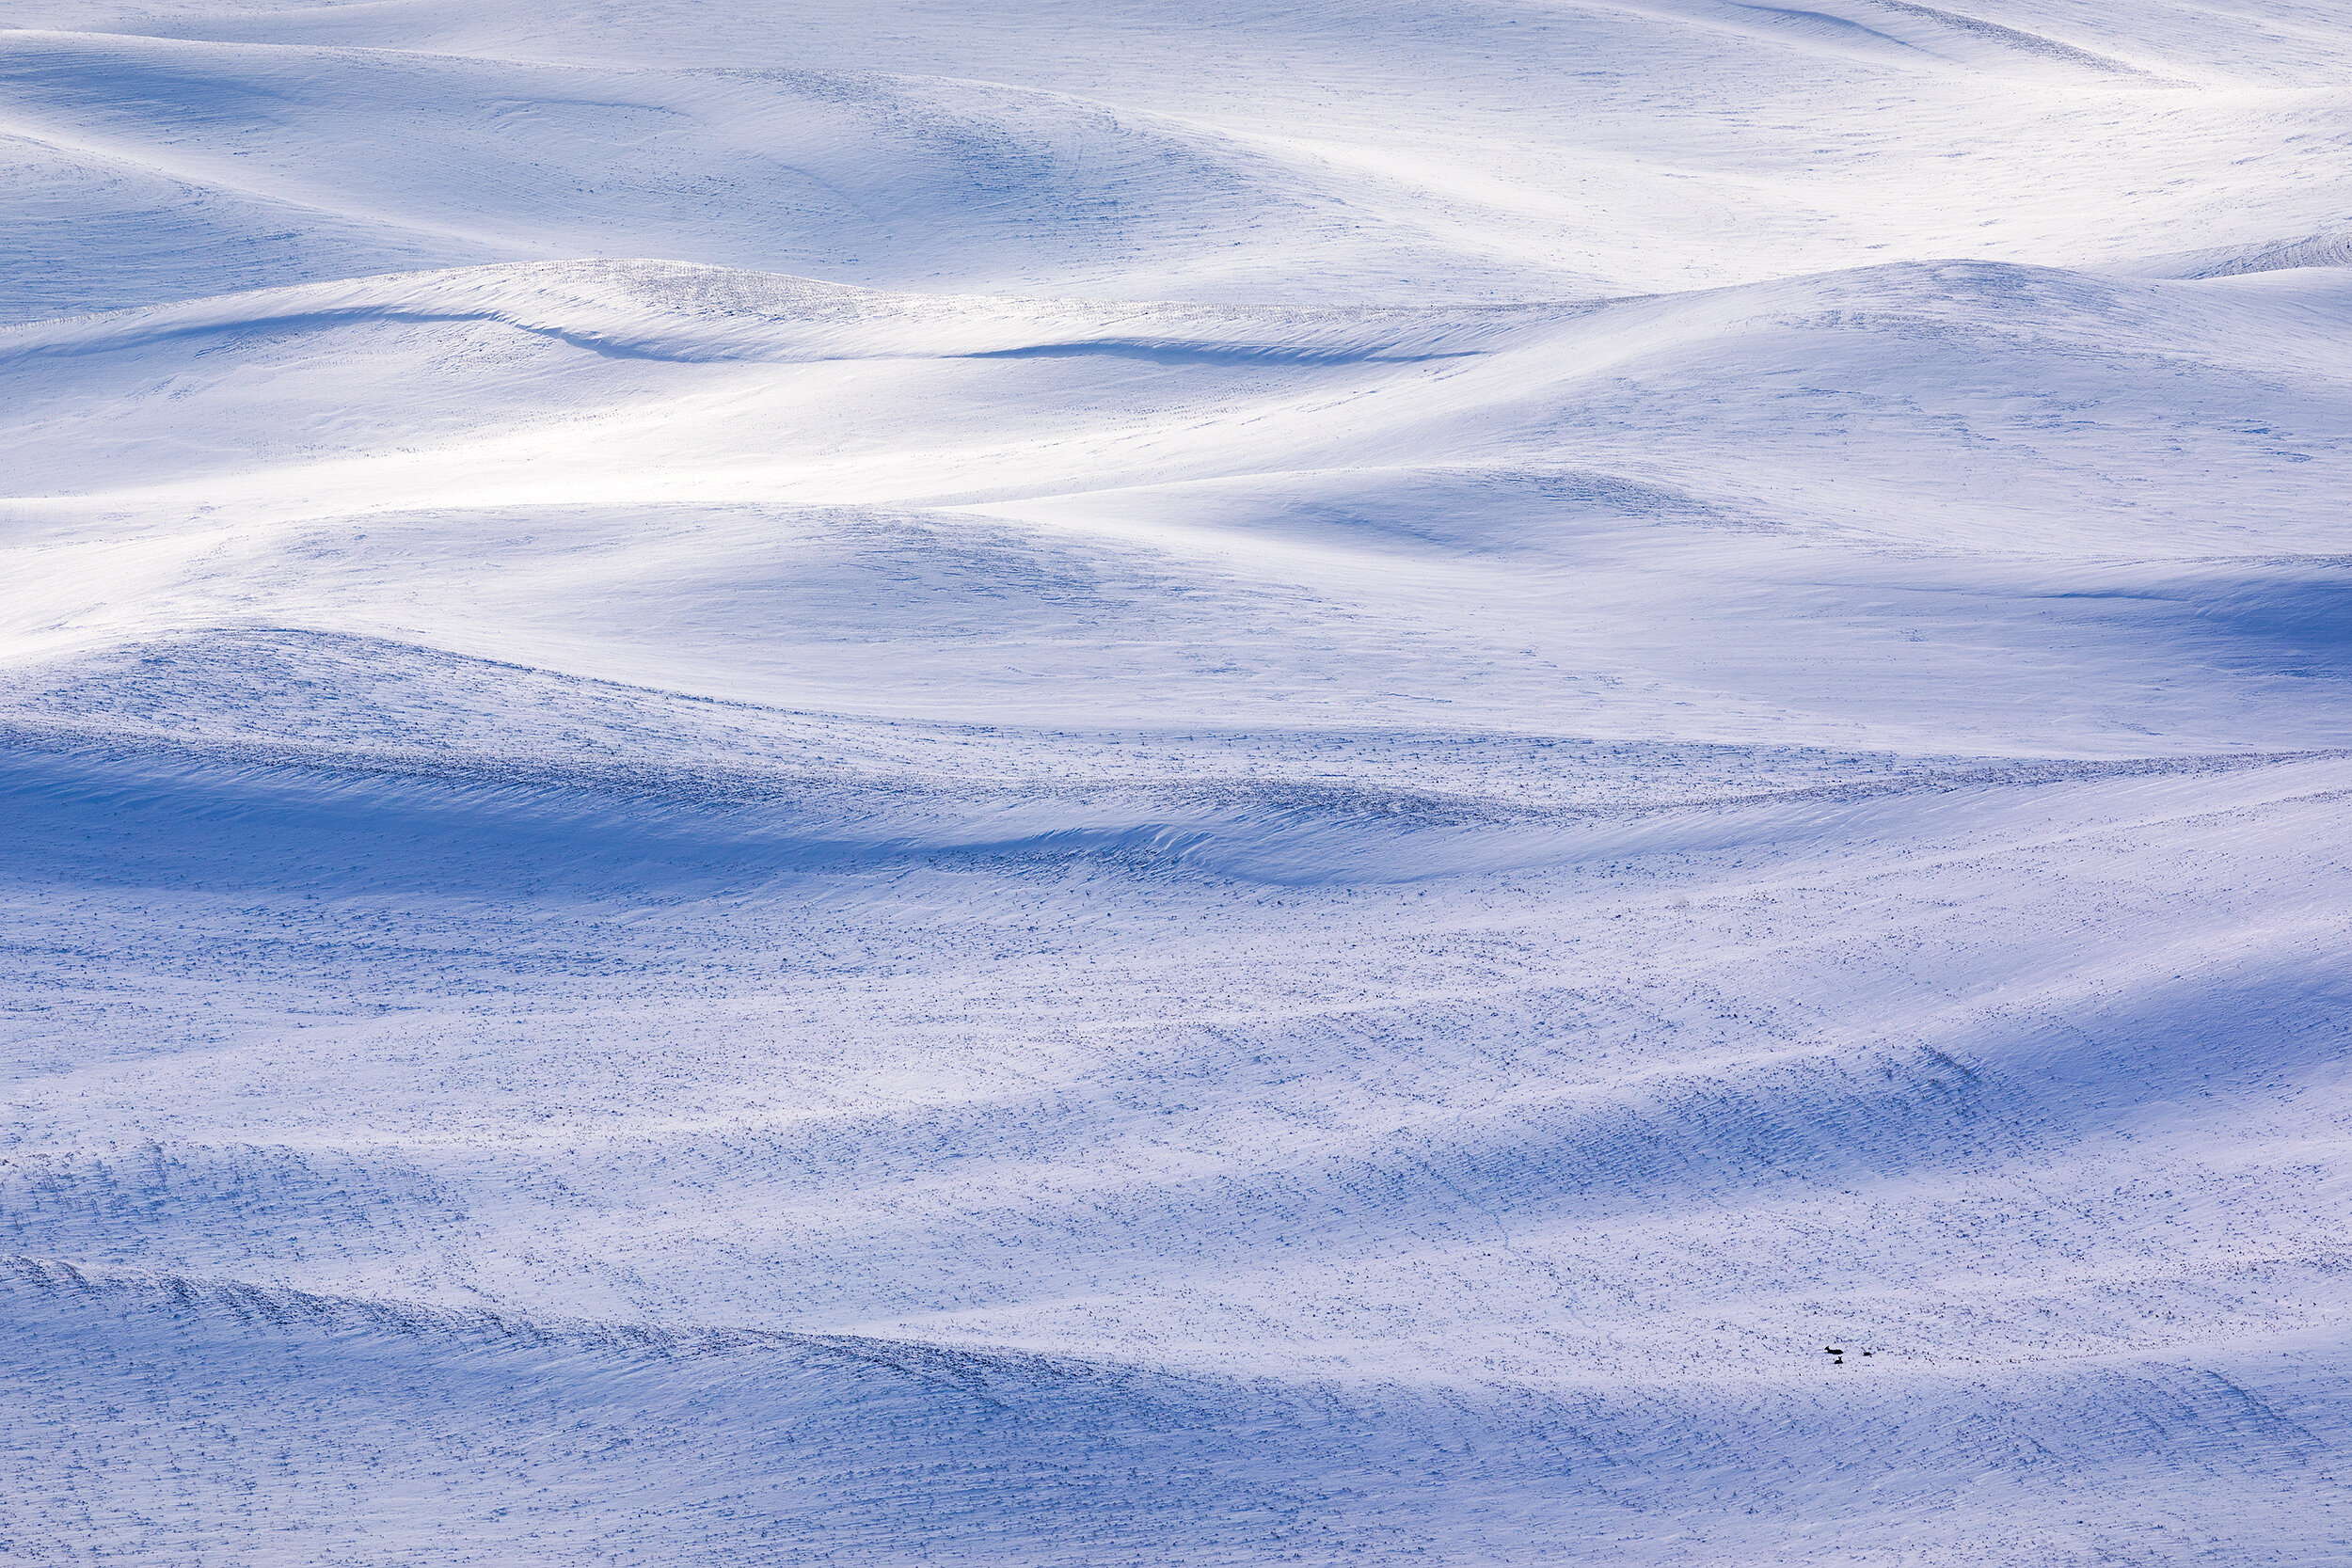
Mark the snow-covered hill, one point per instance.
(1037, 783)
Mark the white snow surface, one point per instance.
(1204, 783)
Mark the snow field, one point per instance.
(1062, 784)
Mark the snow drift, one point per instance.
(1087, 783)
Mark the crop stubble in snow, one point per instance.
(1085, 783)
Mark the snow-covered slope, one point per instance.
(1046, 782)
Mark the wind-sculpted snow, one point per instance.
(542, 1433)
(675, 311)
(1094, 783)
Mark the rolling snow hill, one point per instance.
(1044, 783)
